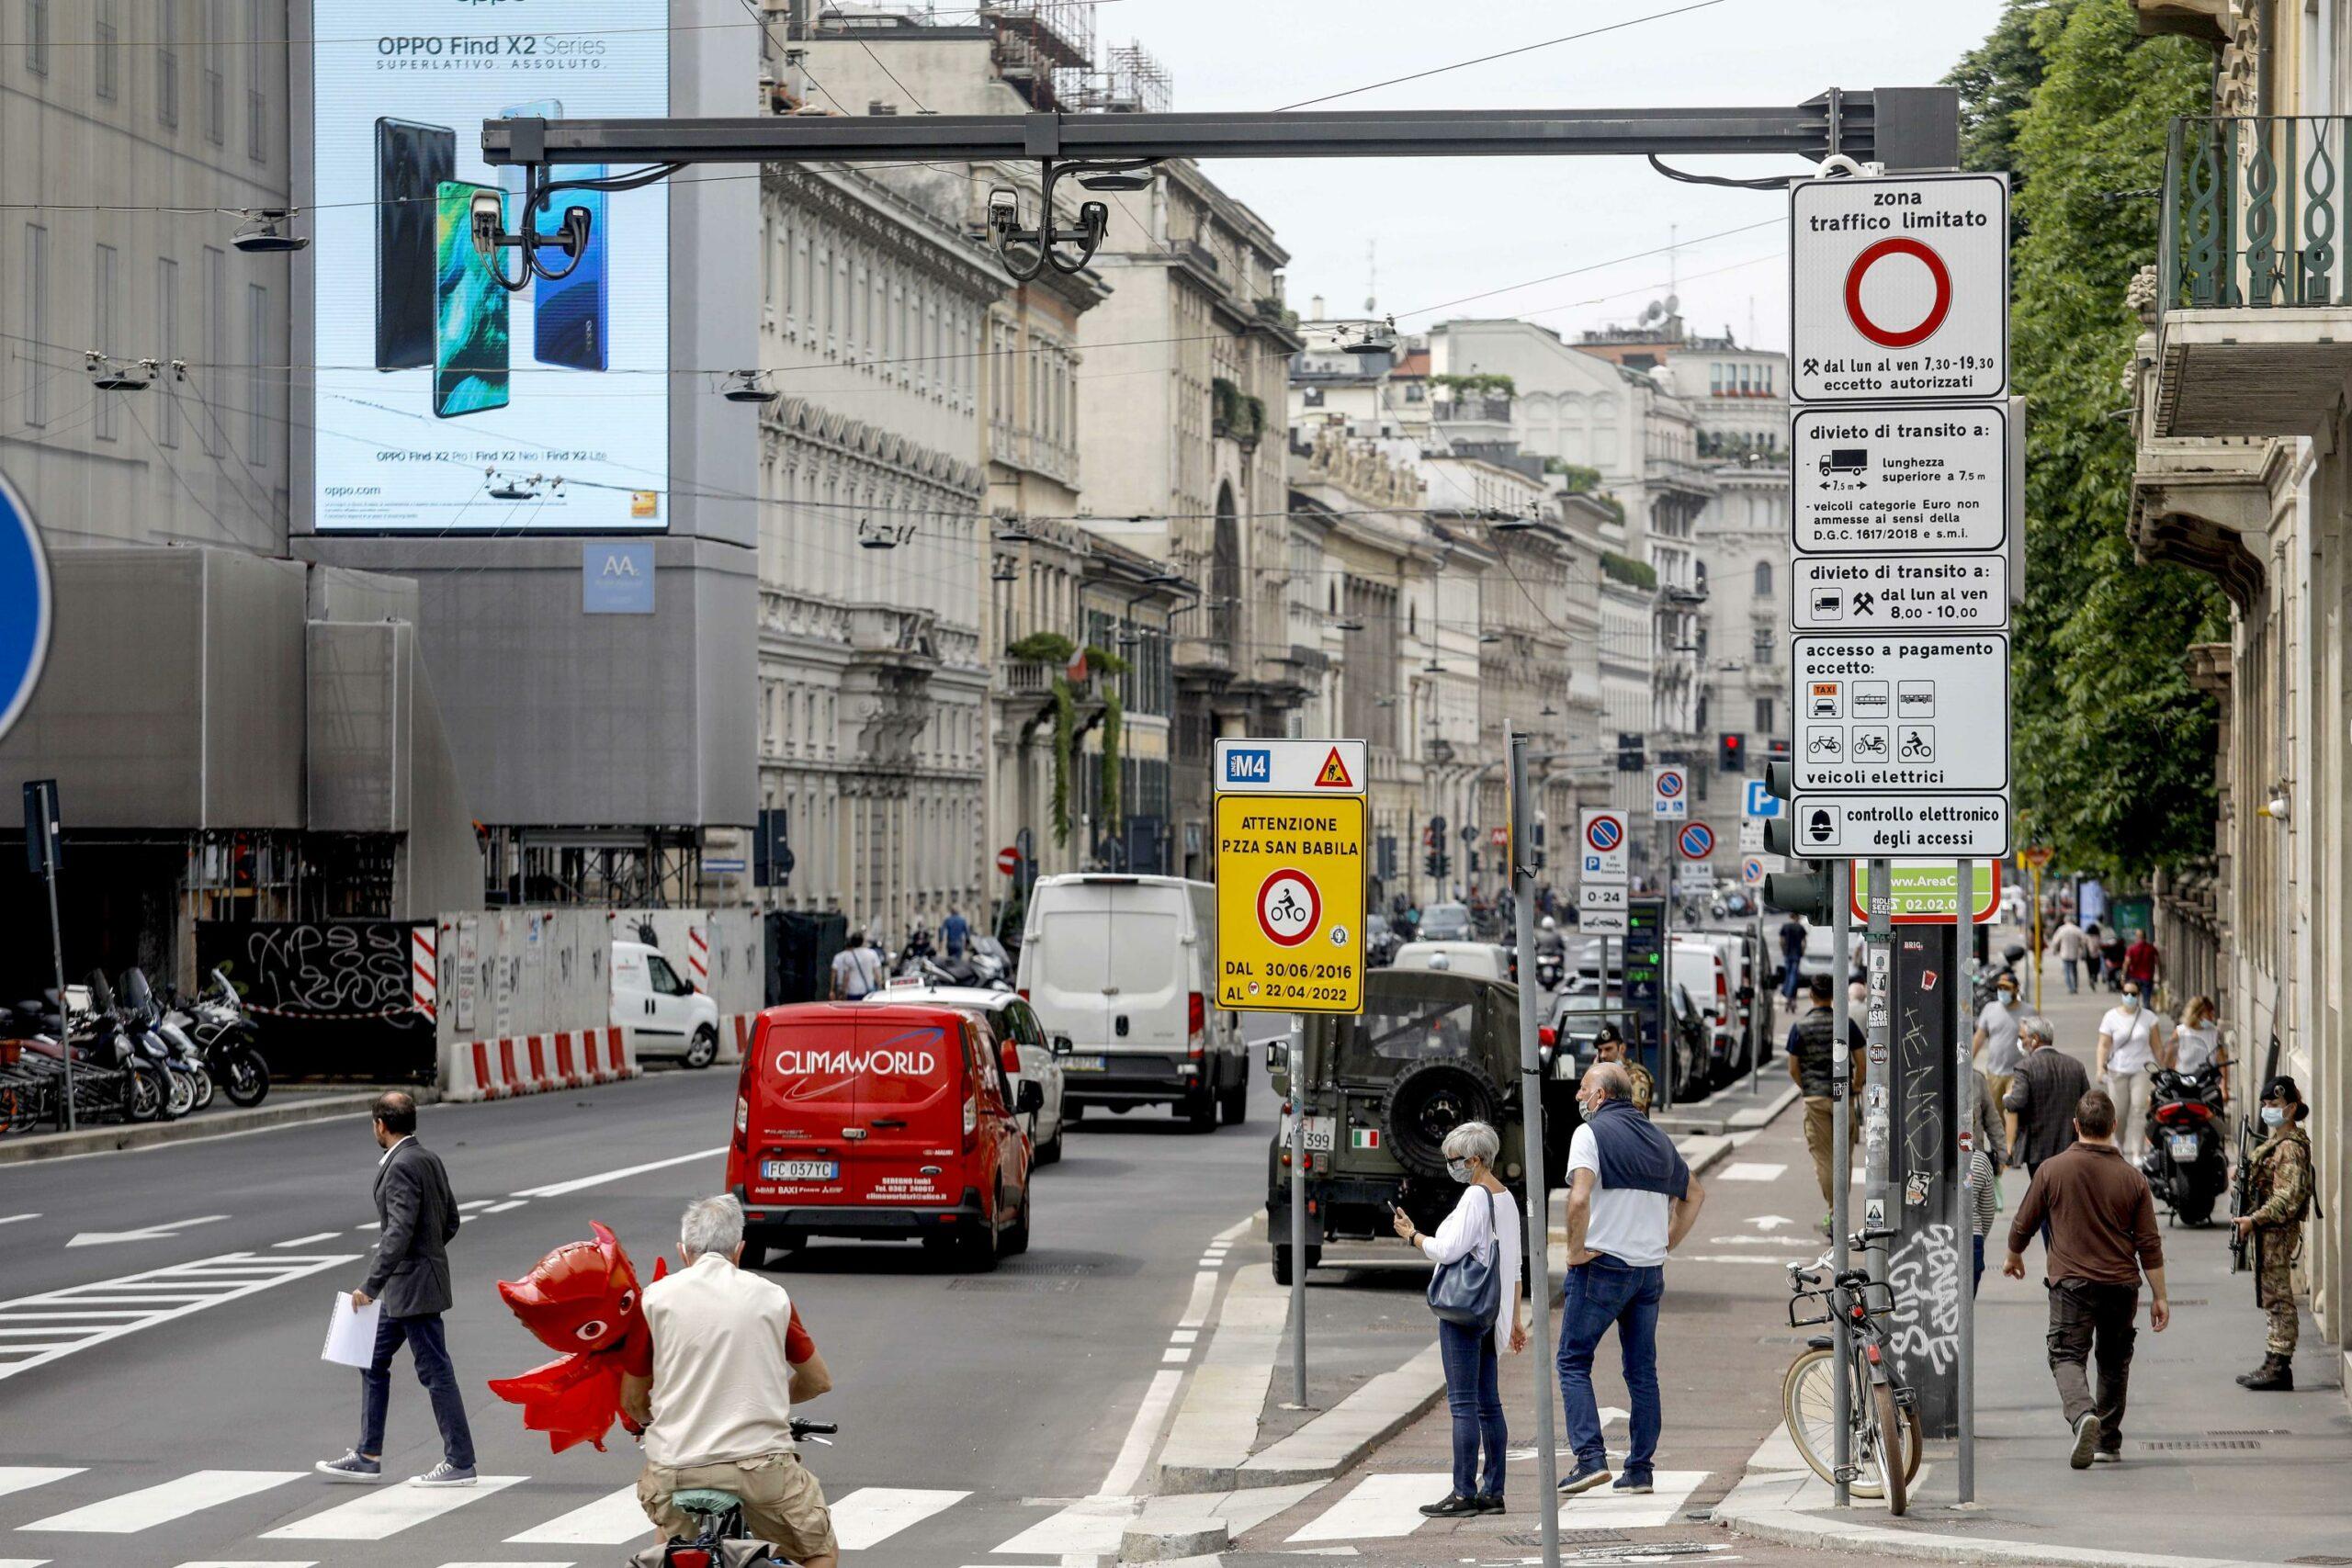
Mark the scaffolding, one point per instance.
(1129, 81)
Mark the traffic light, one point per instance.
(1731, 753)
(1805, 888)
(1437, 864)
(1629, 752)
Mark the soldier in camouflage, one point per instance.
(1609, 1045)
(2281, 1189)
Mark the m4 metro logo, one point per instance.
(1248, 765)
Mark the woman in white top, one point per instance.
(2197, 1044)
(1472, 1385)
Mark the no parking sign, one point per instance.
(1601, 845)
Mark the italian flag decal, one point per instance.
(1363, 1137)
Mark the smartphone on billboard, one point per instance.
(470, 342)
(567, 312)
(412, 161)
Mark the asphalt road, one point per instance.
(973, 1408)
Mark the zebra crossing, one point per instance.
(36, 1330)
(518, 1515)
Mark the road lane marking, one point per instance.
(271, 1563)
(144, 1233)
(1747, 1171)
(1381, 1506)
(1128, 1468)
(1601, 1509)
(12, 1218)
(307, 1240)
(24, 1477)
(1238, 1229)
(872, 1515)
(1089, 1528)
(1196, 1311)
(1740, 1257)
(476, 1203)
(579, 1184)
(502, 1563)
(388, 1510)
(502, 1208)
(108, 1309)
(161, 1504)
(1176, 1355)
(38, 1562)
(613, 1520)
(1185, 1336)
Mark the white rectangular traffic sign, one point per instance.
(1669, 794)
(1900, 593)
(1866, 827)
(1908, 713)
(1899, 289)
(1289, 767)
(1602, 923)
(1875, 480)
(1601, 845)
(1751, 834)
(1601, 896)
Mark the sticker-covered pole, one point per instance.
(1538, 1219)
(1963, 1231)
(1841, 1089)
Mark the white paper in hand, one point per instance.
(351, 1332)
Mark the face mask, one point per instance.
(1458, 1168)
(2008, 997)
(2130, 1004)
(2273, 1114)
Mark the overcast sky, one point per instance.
(1445, 227)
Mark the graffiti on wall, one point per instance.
(305, 969)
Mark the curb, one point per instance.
(1173, 1529)
(1760, 1507)
(117, 1136)
(1384, 1406)
(1215, 1425)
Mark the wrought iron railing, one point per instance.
(2253, 209)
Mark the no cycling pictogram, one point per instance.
(1938, 274)
(1603, 833)
(1289, 908)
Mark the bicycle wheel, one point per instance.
(1808, 1406)
(1886, 1448)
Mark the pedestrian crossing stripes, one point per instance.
(872, 1515)
(19, 1478)
(613, 1520)
(36, 1330)
(388, 1510)
(1379, 1506)
(1751, 1170)
(165, 1503)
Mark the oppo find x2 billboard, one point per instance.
(444, 402)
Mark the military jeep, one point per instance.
(1432, 1050)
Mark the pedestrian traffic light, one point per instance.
(1731, 753)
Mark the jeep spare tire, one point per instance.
(1429, 1099)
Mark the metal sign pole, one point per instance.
(1963, 1106)
(1298, 1209)
(1760, 1015)
(1539, 1199)
(1841, 1072)
(1662, 1092)
(1878, 1199)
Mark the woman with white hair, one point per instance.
(1484, 1225)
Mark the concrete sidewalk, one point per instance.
(288, 1104)
(2211, 1473)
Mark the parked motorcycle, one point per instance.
(187, 1085)
(229, 1041)
(1985, 978)
(2184, 1163)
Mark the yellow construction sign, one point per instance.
(1290, 881)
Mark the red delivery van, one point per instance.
(890, 1120)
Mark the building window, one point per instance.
(1715, 380)
(36, 37)
(167, 62)
(1762, 648)
(216, 105)
(35, 390)
(1764, 715)
(106, 66)
(1763, 577)
(104, 323)
(167, 345)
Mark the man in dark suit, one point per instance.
(411, 1278)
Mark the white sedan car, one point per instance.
(1032, 1057)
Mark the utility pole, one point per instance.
(43, 848)
(1841, 1089)
(1539, 1199)
(1963, 1133)
(1878, 970)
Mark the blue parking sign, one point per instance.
(26, 607)
(1761, 802)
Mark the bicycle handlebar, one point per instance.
(814, 1428)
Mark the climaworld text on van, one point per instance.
(899, 1064)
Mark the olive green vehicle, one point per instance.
(1431, 1051)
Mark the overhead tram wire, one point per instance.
(1502, 54)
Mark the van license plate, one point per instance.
(1085, 1064)
(800, 1170)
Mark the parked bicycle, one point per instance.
(1881, 1414)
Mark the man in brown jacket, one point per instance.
(2102, 1237)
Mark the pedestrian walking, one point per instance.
(2110, 957)
(2132, 1038)
(2042, 1099)
(713, 1382)
(417, 1216)
(857, 969)
(1988, 1152)
(2094, 951)
(1631, 1201)
(1997, 1049)
(1791, 959)
(2143, 962)
(956, 932)
(2069, 943)
(1484, 1225)
(1811, 1050)
(2280, 1186)
(2100, 1240)
(1609, 1045)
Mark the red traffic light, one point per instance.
(1731, 753)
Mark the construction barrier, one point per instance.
(536, 1064)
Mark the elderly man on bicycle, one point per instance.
(714, 1388)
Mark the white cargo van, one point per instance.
(664, 1015)
(1699, 969)
(1126, 967)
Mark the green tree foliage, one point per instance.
(2113, 747)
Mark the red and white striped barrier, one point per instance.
(735, 1032)
(536, 1064)
(425, 968)
(698, 958)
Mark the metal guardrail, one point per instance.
(2253, 211)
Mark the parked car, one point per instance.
(1022, 1044)
(1125, 966)
(1445, 923)
(1699, 969)
(889, 1121)
(662, 1012)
